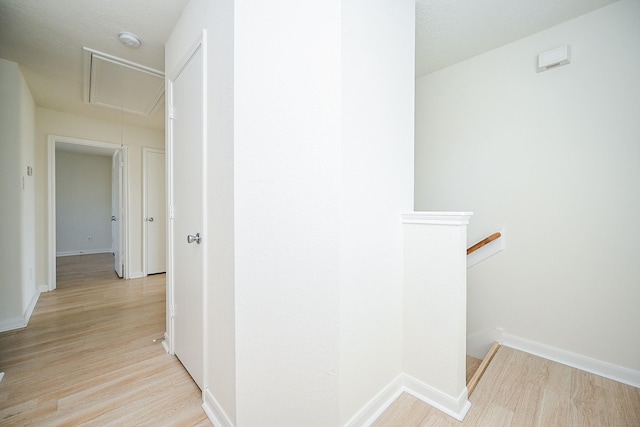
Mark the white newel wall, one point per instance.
(435, 302)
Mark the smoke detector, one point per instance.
(129, 40)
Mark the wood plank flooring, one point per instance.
(87, 356)
(519, 389)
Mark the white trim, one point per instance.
(43, 288)
(164, 343)
(376, 406)
(457, 407)
(32, 305)
(205, 228)
(479, 343)
(89, 252)
(51, 196)
(487, 250)
(437, 218)
(124, 234)
(214, 411)
(136, 275)
(169, 294)
(13, 323)
(575, 360)
(21, 321)
(51, 211)
(88, 69)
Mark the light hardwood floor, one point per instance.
(88, 356)
(519, 389)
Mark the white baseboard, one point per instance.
(136, 275)
(32, 305)
(454, 407)
(479, 343)
(457, 407)
(214, 411)
(165, 343)
(13, 323)
(20, 322)
(376, 406)
(87, 252)
(43, 288)
(575, 360)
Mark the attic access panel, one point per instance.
(116, 83)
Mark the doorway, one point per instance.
(154, 211)
(87, 147)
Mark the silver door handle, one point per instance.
(150, 219)
(191, 238)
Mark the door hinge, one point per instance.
(172, 312)
(170, 112)
(170, 212)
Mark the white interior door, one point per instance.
(155, 212)
(187, 204)
(116, 211)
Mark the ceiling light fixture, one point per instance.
(129, 40)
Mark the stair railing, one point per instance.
(483, 242)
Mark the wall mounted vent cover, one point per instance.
(116, 83)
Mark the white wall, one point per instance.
(552, 158)
(18, 292)
(83, 203)
(376, 186)
(51, 122)
(310, 135)
(287, 166)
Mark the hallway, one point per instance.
(88, 356)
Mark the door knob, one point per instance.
(150, 219)
(191, 238)
(113, 217)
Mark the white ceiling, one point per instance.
(450, 31)
(46, 38)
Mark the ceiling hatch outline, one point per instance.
(123, 85)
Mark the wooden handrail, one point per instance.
(483, 242)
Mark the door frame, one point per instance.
(145, 195)
(116, 200)
(87, 145)
(169, 342)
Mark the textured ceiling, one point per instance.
(450, 31)
(46, 38)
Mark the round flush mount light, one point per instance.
(129, 39)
